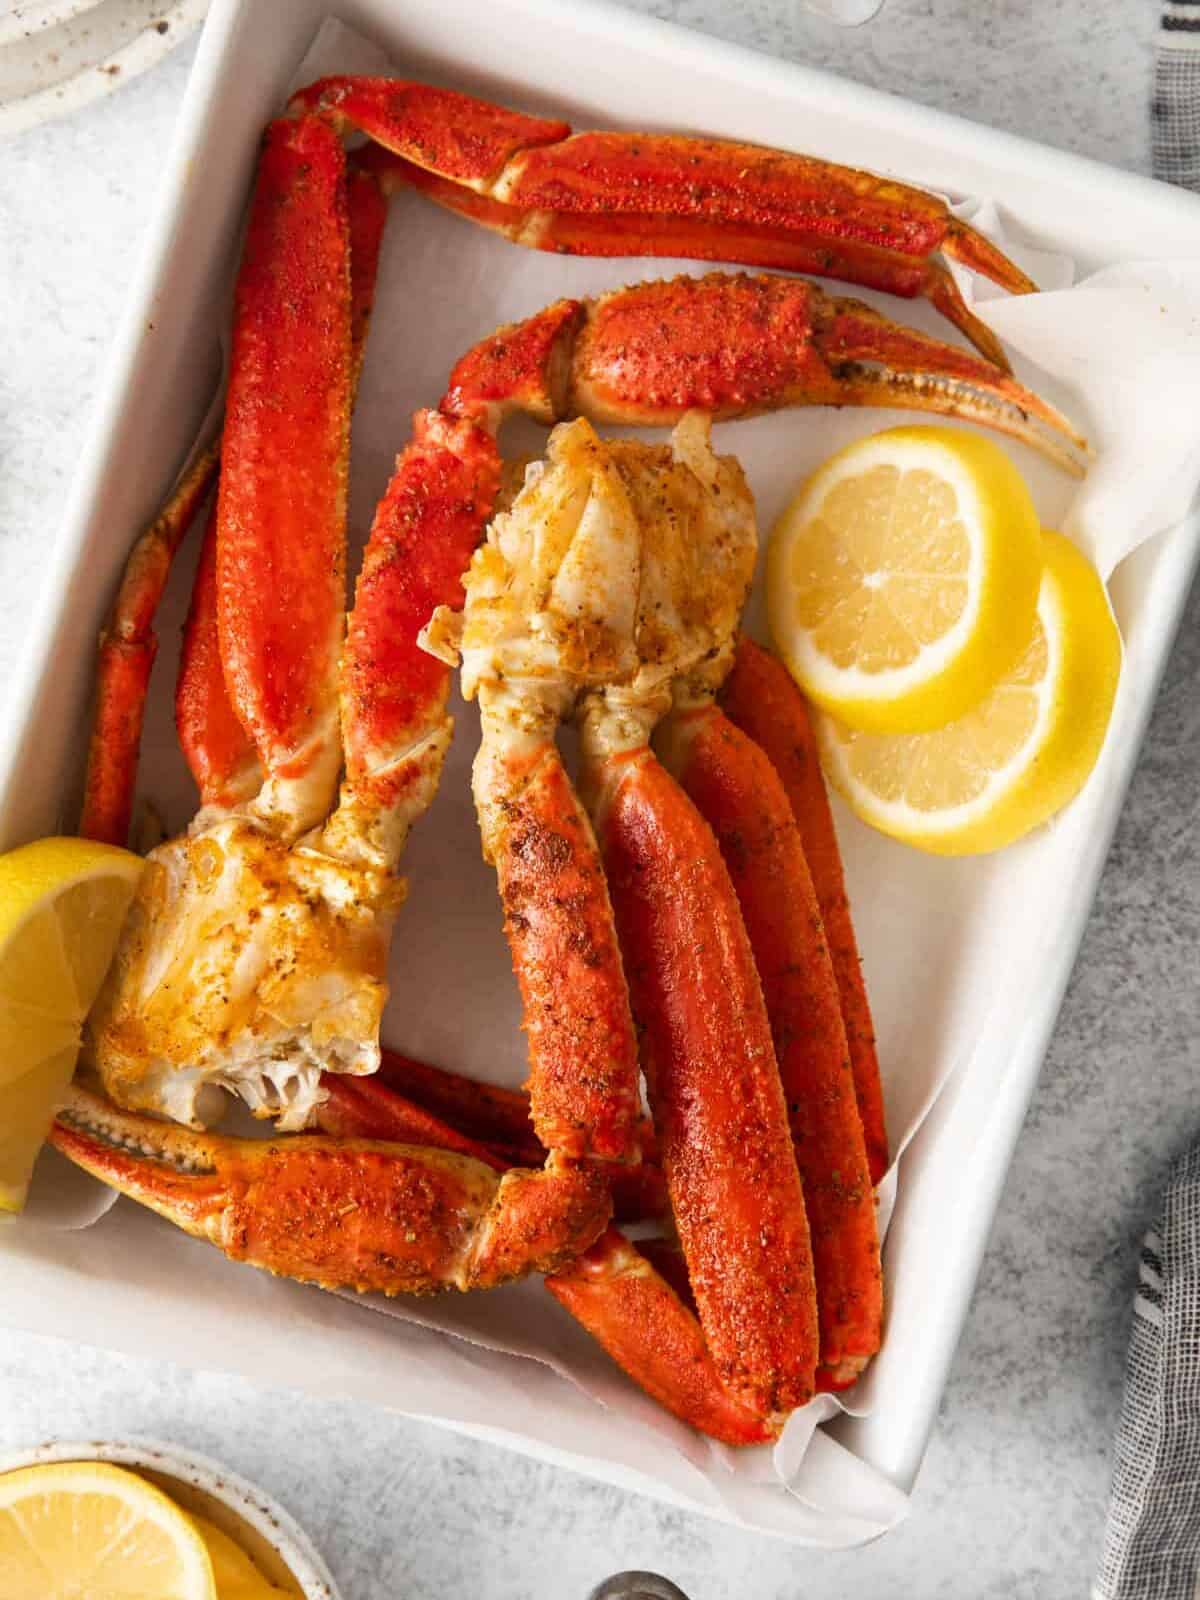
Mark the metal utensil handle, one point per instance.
(637, 1586)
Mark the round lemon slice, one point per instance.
(81, 1528)
(903, 576)
(1014, 760)
(62, 903)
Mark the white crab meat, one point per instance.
(248, 964)
(620, 570)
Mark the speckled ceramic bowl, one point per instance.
(58, 55)
(269, 1534)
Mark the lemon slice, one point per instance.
(236, 1576)
(62, 902)
(903, 576)
(992, 775)
(85, 1528)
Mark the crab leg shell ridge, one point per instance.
(282, 498)
(713, 1083)
(740, 796)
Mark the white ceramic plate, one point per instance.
(58, 55)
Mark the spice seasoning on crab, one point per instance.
(620, 569)
(626, 193)
(610, 590)
(248, 964)
(255, 955)
(597, 579)
(343, 1213)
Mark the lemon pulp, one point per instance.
(903, 577)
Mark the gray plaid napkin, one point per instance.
(1175, 110)
(1152, 1538)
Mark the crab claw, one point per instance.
(735, 345)
(345, 1214)
(732, 345)
(626, 193)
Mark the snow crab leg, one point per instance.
(760, 697)
(736, 345)
(617, 565)
(548, 616)
(736, 789)
(310, 892)
(128, 646)
(730, 345)
(218, 751)
(222, 973)
(653, 194)
(268, 896)
(713, 1083)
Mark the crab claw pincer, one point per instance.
(736, 345)
(341, 1213)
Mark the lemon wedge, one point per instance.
(87, 1528)
(236, 1576)
(903, 576)
(62, 903)
(992, 775)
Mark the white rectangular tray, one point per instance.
(601, 66)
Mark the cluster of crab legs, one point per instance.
(689, 879)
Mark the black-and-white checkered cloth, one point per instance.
(1152, 1538)
(1175, 110)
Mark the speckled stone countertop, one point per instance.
(1011, 1498)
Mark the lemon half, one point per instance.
(902, 578)
(62, 903)
(1008, 765)
(80, 1528)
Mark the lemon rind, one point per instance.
(1084, 658)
